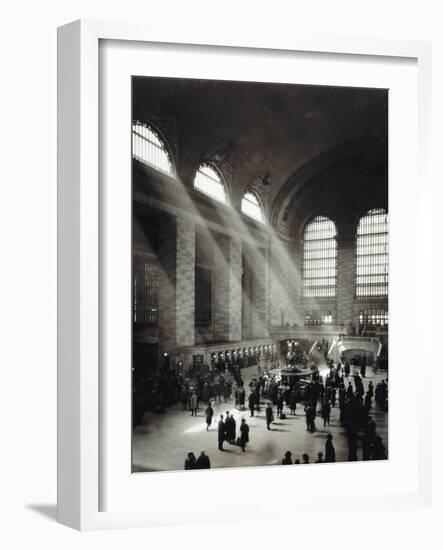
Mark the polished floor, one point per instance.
(162, 441)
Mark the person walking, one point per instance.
(333, 396)
(230, 426)
(279, 403)
(310, 418)
(329, 449)
(206, 393)
(209, 414)
(269, 415)
(241, 398)
(293, 402)
(244, 434)
(184, 398)
(227, 391)
(221, 433)
(251, 403)
(193, 403)
(326, 412)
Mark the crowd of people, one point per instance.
(324, 393)
(310, 392)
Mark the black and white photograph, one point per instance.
(222, 275)
(260, 274)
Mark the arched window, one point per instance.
(250, 205)
(149, 148)
(320, 259)
(371, 273)
(209, 181)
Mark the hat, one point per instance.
(288, 453)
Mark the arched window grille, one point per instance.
(149, 148)
(320, 259)
(372, 262)
(209, 181)
(250, 205)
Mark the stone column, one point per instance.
(176, 284)
(258, 294)
(185, 283)
(345, 277)
(246, 302)
(227, 297)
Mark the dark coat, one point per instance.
(326, 409)
(329, 452)
(244, 433)
(269, 415)
(230, 425)
(203, 462)
(221, 430)
(241, 396)
(190, 463)
(252, 400)
(209, 414)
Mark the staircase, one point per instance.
(350, 345)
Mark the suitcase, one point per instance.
(282, 416)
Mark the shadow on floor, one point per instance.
(48, 511)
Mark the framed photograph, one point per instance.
(238, 227)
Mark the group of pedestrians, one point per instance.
(200, 463)
(227, 432)
(329, 455)
(321, 394)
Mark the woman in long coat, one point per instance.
(244, 434)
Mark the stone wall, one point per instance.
(227, 299)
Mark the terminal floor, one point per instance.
(162, 441)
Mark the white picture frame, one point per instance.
(80, 442)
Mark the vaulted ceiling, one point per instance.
(303, 142)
